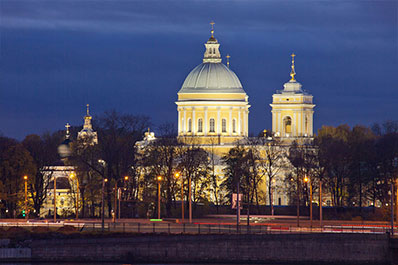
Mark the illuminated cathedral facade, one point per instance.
(213, 112)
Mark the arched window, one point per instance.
(189, 125)
(287, 122)
(212, 125)
(234, 126)
(224, 125)
(200, 125)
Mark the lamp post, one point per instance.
(177, 175)
(320, 203)
(159, 179)
(119, 193)
(72, 176)
(102, 204)
(26, 196)
(190, 199)
(55, 199)
(306, 180)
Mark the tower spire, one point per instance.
(293, 72)
(228, 56)
(87, 119)
(67, 126)
(212, 29)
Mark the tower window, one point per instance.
(224, 125)
(287, 122)
(212, 125)
(200, 125)
(234, 126)
(189, 125)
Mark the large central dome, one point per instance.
(211, 78)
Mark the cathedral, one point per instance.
(213, 111)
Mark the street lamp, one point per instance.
(306, 180)
(26, 196)
(177, 175)
(159, 178)
(118, 195)
(72, 176)
(102, 204)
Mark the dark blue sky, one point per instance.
(133, 56)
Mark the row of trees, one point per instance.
(355, 165)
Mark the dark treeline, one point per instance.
(355, 166)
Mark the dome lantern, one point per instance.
(212, 53)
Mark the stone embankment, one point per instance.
(270, 248)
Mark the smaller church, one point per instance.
(61, 178)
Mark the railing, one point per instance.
(197, 228)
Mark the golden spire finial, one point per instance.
(67, 126)
(149, 130)
(212, 29)
(293, 72)
(228, 56)
(88, 109)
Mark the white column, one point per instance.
(179, 121)
(303, 122)
(311, 133)
(294, 125)
(218, 120)
(299, 129)
(184, 126)
(230, 121)
(279, 124)
(239, 121)
(273, 122)
(193, 121)
(244, 121)
(205, 122)
(247, 122)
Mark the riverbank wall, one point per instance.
(184, 248)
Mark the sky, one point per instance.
(133, 56)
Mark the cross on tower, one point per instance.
(212, 28)
(88, 109)
(67, 126)
(293, 72)
(228, 56)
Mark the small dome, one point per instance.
(211, 78)
(64, 148)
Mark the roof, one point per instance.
(211, 78)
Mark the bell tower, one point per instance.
(292, 110)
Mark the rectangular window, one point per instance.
(224, 125)
(189, 125)
(200, 125)
(212, 125)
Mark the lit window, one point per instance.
(189, 125)
(287, 121)
(212, 125)
(224, 125)
(200, 125)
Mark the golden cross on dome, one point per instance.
(212, 29)
(67, 126)
(228, 56)
(88, 109)
(293, 72)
